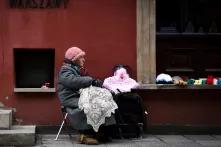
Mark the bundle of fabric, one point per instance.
(97, 103)
(120, 82)
(210, 80)
(198, 82)
(219, 81)
(164, 79)
(177, 80)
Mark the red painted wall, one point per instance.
(106, 30)
(182, 106)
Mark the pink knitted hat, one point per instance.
(74, 53)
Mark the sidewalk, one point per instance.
(146, 141)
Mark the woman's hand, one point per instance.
(97, 83)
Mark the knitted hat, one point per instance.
(164, 79)
(209, 80)
(74, 53)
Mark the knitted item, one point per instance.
(209, 80)
(179, 81)
(190, 82)
(120, 82)
(198, 82)
(164, 82)
(74, 53)
(203, 82)
(219, 82)
(164, 79)
(215, 80)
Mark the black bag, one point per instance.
(130, 114)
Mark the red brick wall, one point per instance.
(106, 30)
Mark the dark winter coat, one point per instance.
(69, 83)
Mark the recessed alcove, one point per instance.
(33, 68)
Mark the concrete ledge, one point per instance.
(34, 90)
(18, 136)
(5, 119)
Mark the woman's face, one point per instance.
(80, 61)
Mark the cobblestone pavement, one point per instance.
(146, 141)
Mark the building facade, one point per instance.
(147, 35)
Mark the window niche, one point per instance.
(33, 68)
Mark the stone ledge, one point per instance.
(18, 136)
(5, 119)
(34, 90)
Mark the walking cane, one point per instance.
(61, 126)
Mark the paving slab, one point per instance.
(200, 137)
(151, 144)
(57, 144)
(52, 137)
(83, 145)
(147, 138)
(185, 144)
(210, 143)
(120, 143)
(173, 138)
(217, 136)
(146, 141)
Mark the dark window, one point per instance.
(192, 16)
(188, 37)
(34, 67)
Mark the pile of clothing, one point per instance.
(120, 82)
(178, 80)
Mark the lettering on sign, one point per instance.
(40, 4)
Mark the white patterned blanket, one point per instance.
(97, 104)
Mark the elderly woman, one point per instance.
(70, 82)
